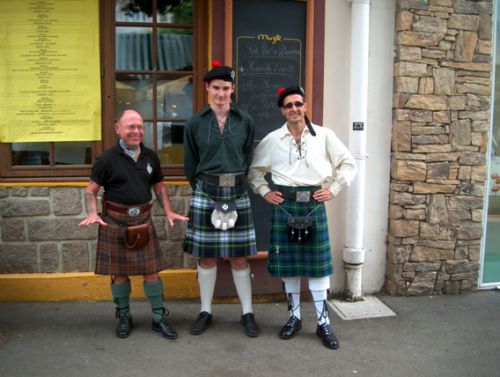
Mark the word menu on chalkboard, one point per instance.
(264, 63)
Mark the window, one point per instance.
(151, 56)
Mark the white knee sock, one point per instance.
(243, 285)
(292, 290)
(319, 288)
(206, 279)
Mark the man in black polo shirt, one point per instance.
(127, 243)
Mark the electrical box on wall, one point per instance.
(358, 126)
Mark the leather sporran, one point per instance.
(299, 228)
(224, 215)
(137, 236)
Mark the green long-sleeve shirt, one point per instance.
(207, 150)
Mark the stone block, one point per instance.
(419, 39)
(39, 191)
(414, 214)
(4, 192)
(469, 230)
(67, 201)
(174, 254)
(464, 173)
(426, 85)
(438, 170)
(404, 20)
(473, 88)
(430, 254)
(410, 69)
(457, 102)
(474, 115)
(18, 258)
(472, 159)
(401, 137)
(427, 102)
(24, 207)
(465, 202)
(472, 188)
(429, 139)
(433, 188)
(459, 214)
(403, 228)
(160, 224)
(395, 212)
(427, 24)
(177, 232)
(464, 22)
(452, 287)
(13, 230)
(407, 53)
(409, 170)
(485, 26)
(75, 257)
(460, 132)
(444, 81)
(421, 116)
(422, 267)
(437, 231)
(460, 266)
(406, 84)
(423, 284)
(59, 229)
(19, 191)
(49, 258)
(405, 199)
(398, 254)
(437, 212)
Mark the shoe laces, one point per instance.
(292, 321)
(327, 329)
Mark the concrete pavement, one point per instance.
(445, 336)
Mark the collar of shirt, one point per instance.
(284, 131)
(207, 110)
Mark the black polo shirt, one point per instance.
(124, 180)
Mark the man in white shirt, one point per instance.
(309, 165)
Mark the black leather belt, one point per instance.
(131, 210)
(303, 196)
(223, 180)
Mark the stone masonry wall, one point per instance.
(442, 89)
(39, 230)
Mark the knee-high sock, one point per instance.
(243, 285)
(319, 288)
(292, 290)
(206, 279)
(121, 297)
(154, 293)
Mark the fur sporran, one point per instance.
(224, 215)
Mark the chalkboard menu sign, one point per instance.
(264, 63)
(268, 53)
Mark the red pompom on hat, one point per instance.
(285, 92)
(216, 64)
(221, 72)
(281, 90)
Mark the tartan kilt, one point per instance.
(287, 258)
(203, 240)
(114, 258)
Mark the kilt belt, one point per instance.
(223, 180)
(113, 257)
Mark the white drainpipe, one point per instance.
(354, 251)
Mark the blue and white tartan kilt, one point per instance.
(310, 259)
(203, 239)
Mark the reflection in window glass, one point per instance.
(133, 49)
(148, 135)
(175, 98)
(135, 92)
(175, 49)
(170, 142)
(134, 10)
(73, 153)
(30, 153)
(180, 13)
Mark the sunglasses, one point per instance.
(297, 104)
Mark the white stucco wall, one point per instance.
(378, 129)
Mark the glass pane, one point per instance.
(135, 92)
(148, 135)
(133, 49)
(491, 261)
(175, 49)
(181, 13)
(170, 142)
(30, 154)
(73, 153)
(134, 10)
(175, 98)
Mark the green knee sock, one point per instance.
(154, 293)
(121, 296)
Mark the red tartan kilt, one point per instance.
(113, 257)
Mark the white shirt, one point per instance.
(320, 159)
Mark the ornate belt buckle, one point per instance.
(303, 196)
(227, 180)
(133, 211)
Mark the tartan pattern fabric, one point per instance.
(114, 258)
(203, 240)
(292, 259)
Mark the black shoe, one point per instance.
(164, 328)
(201, 324)
(124, 325)
(291, 327)
(326, 334)
(251, 327)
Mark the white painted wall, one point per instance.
(378, 128)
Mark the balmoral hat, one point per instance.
(220, 72)
(285, 92)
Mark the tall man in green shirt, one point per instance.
(218, 144)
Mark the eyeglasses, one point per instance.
(297, 104)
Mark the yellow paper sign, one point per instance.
(49, 71)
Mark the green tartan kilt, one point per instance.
(292, 259)
(203, 239)
(113, 257)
